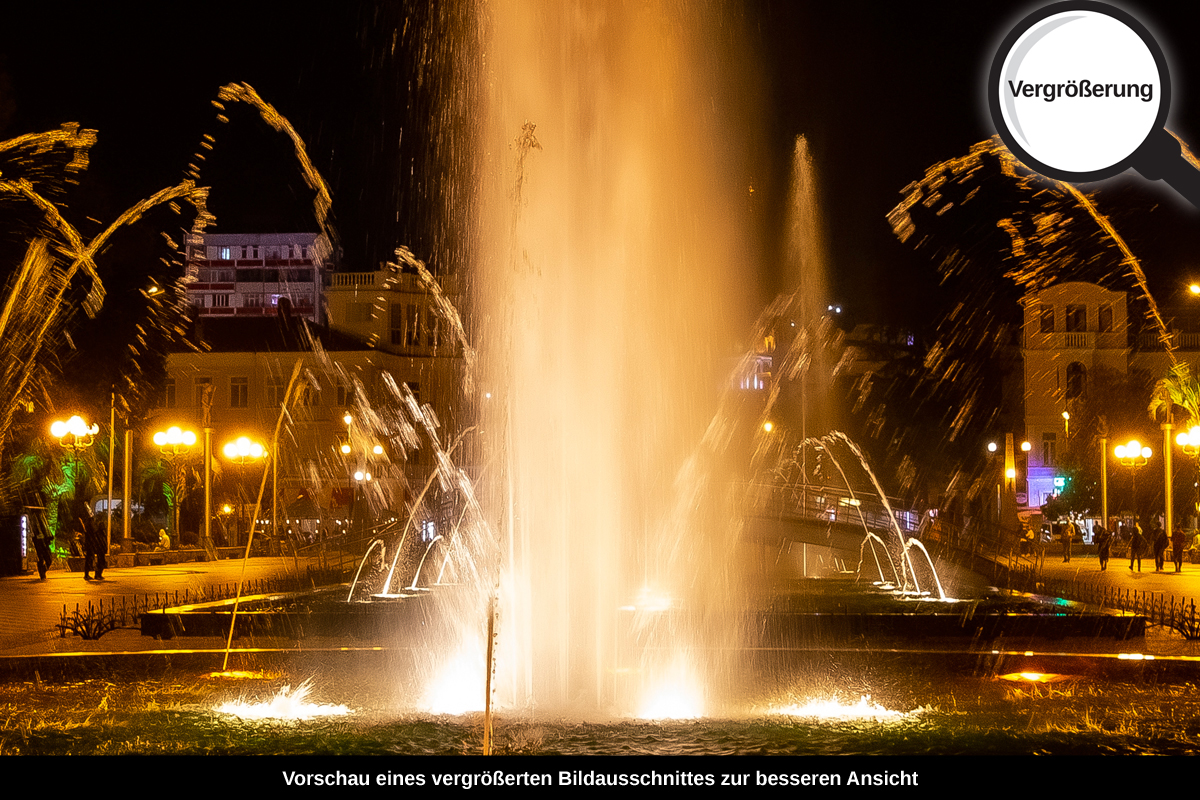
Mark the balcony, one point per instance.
(1062, 340)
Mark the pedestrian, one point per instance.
(41, 544)
(95, 546)
(1159, 540)
(1177, 542)
(1068, 535)
(1103, 541)
(1136, 543)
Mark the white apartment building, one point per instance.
(1072, 330)
(250, 274)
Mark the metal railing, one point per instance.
(1157, 607)
(825, 503)
(98, 619)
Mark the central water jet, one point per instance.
(613, 252)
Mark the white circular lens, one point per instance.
(1079, 91)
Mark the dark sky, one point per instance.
(882, 91)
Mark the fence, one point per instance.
(1158, 609)
(98, 619)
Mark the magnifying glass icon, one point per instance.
(1079, 91)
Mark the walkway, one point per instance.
(30, 607)
(1086, 568)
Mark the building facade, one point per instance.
(1074, 334)
(382, 333)
(250, 275)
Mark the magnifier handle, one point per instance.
(1161, 158)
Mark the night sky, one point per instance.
(882, 91)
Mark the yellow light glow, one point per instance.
(1033, 677)
(287, 704)
(676, 696)
(768, 426)
(458, 687)
(240, 674)
(834, 709)
(1026, 446)
(1194, 288)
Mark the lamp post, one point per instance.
(1006, 486)
(361, 476)
(1190, 442)
(241, 450)
(1133, 455)
(175, 443)
(74, 435)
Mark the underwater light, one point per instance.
(287, 704)
(834, 709)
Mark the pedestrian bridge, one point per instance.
(777, 515)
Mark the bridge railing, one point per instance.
(827, 503)
(840, 505)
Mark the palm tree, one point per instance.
(1178, 388)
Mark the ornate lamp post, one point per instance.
(1190, 442)
(174, 443)
(1133, 455)
(74, 435)
(242, 450)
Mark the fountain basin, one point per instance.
(297, 615)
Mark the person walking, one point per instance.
(1103, 541)
(1068, 535)
(1177, 542)
(95, 547)
(1159, 539)
(1136, 544)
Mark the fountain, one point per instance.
(599, 535)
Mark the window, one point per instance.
(1105, 318)
(239, 392)
(412, 326)
(431, 328)
(202, 385)
(1048, 442)
(229, 253)
(1076, 319)
(1046, 315)
(276, 389)
(252, 300)
(396, 323)
(1076, 380)
(343, 395)
(220, 301)
(169, 394)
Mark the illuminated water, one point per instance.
(914, 709)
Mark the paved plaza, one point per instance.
(30, 607)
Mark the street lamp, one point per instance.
(74, 435)
(241, 450)
(1133, 455)
(1189, 441)
(173, 443)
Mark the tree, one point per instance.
(1114, 407)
